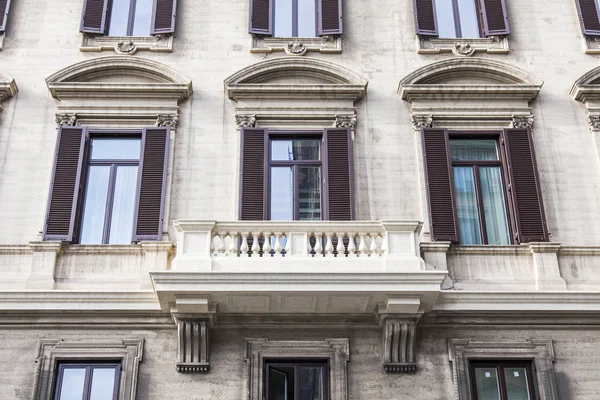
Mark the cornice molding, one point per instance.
(8, 88)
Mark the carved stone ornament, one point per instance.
(245, 121)
(65, 119)
(399, 345)
(422, 121)
(594, 121)
(522, 121)
(463, 49)
(192, 344)
(295, 49)
(169, 120)
(126, 47)
(345, 121)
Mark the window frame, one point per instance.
(499, 365)
(295, 20)
(130, 18)
(296, 363)
(457, 24)
(89, 368)
(501, 162)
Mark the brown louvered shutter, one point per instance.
(338, 174)
(494, 17)
(65, 185)
(524, 187)
(151, 185)
(442, 211)
(588, 17)
(330, 17)
(261, 17)
(163, 20)
(425, 21)
(253, 205)
(4, 7)
(93, 19)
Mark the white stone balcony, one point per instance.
(355, 267)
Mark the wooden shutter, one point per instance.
(253, 190)
(163, 20)
(151, 184)
(330, 17)
(261, 17)
(588, 17)
(425, 21)
(494, 17)
(338, 174)
(442, 211)
(65, 185)
(93, 19)
(524, 186)
(4, 7)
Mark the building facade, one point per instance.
(270, 199)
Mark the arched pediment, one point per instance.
(119, 75)
(587, 87)
(285, 77)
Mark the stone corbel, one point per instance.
(245, 121)
(399, 342)
(545, 266)
(193, 346)
(345, 121)
(594, 122)
(169, 120)
(43, 264)
(66, 119)
(522, 121)
(422, 121)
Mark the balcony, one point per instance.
(271, 267)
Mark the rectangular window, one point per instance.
(504, 380)
(130, 17)
(457, 18)
(302, 380)
(84, 381)
(295, 18)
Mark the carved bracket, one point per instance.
(169, 120)
(422, 121)
(400, 345)
(522, 121)
(245, 121)
(192, 343)
(345, 121)
(594, 122)
(66, 119)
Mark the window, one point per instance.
(107, 186)
(483, 187)
(295, 18)
(457, 18)
(504, 380)
(80, 381)
(296, 175)
(130, 17)
(303, 380)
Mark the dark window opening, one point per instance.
(296, 380)
(506, 380)
(87, 381)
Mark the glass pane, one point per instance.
(486, 380)
(115, 149)
(103, 383)
(466, 206)
(73, 380)
(469, 25)
(516, 384)
(307, 18)
(494, 209)
(311, 383)
(119, 18)
(444, 13)
(94, 208)
(281, 383)
(474, 150)
(295, 150)
(309, 196)
(283, 18)
(282, 194)
(142, 17)
(121, 222)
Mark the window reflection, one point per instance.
(130, 17)
(295, 18)
(457, 19)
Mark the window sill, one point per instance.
(127, 44)
(463, 46)
(297, 46)
(592, 45)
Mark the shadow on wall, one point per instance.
(563, 387)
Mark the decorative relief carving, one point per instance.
(594, 122)
(463, 49)
(169, 120)
(399, 345)
(295, 49)
(345, 121)
(192, 344)
(66, 119)
(246, 121)
(126, 47)
(127, 44)
(522, 121)
(422, 121)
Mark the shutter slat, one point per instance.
(261, 12)
(93, 19)
(151, 186)
(330, 17)
(64, 187)
(525, 189)
(588, 17)
(495, 17)
(338, 143)
(252, 191)
(439, 185)
(4, 7)
(425, 21)
(164, 17)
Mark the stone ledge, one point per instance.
(464, 47)
(297, 46)
(127, 44)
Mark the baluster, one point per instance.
(278, 247)
(212, 244)
(244, 247)
(231, 249)
(318, 245)
(340, 244)
(255, 245)
(351, 244)
(288, 244)
(221, 243)
(362, 246)
(384, 244)
(267, 244)
(374, 249)
(329, 244)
